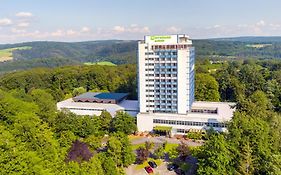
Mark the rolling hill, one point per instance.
(53, 54)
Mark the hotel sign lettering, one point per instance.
(161, 39)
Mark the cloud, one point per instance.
(173, 29)
(71, 32)
(15, 30)
(85, 29)
(261, 23)
(133, 28)
(5, 22)
(24, 14)
(23, 24)
(58, 33)
(119, 29)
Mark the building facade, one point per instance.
(166, 74)
(166, 88)
(165, 92)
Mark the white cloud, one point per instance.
(133, 28)
(85, 29)
(71, 32)
(173, 29)
(57, 33)
(119, 29)
(15, 30)
(23, 24)
(261, 23)
(5, 22)
(24, 14)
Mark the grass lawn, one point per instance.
(7, 54)
(141, 166)
(103, 63)
(212, 66)
(170, 146)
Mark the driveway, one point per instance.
(141, 140)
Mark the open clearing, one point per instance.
(103, 63)
(7, 54)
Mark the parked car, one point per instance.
(172, 167)
(148, 169)
(152, 164)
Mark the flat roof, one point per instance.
(101, 95)
(126, 105)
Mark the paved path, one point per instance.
(162, 140)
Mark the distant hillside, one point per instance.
(253, 39)
(53, 54)
(116, 51)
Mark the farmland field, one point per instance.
(103, 63)
(7, 54)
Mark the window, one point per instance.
(189, 123)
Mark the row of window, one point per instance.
(166, 85)
(163, 96)
(162, 70)
(162, 59)
(92, 109)
(206, 111)
(162, 101)
(189, 123)
(163, 107)
(166, 91)
(164, 64)
(166, 75)
(178, 46)
(165, 110)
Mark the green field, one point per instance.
(103, 63)
(7, 54)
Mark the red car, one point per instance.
(148, 169)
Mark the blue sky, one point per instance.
(79, 20)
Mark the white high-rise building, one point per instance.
(166, 88)
(165, 92)
(166, 74)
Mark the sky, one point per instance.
(83, 20)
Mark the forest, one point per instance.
(53, 54)
(37, 139)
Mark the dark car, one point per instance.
(172, 167)
(152, 164)
(148, 169)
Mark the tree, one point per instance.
(123, 122)
(206, 88)
(105, 120)
(160, 151)
(45, 103)
(246, 162)
(142, 154)
(252, 77)
(78, 91)
(183, 150)
(79, 152)
(215, 156)
(114, 150)
(173, 153)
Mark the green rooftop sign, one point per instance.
(161, 38)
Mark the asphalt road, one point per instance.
(162, 140)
